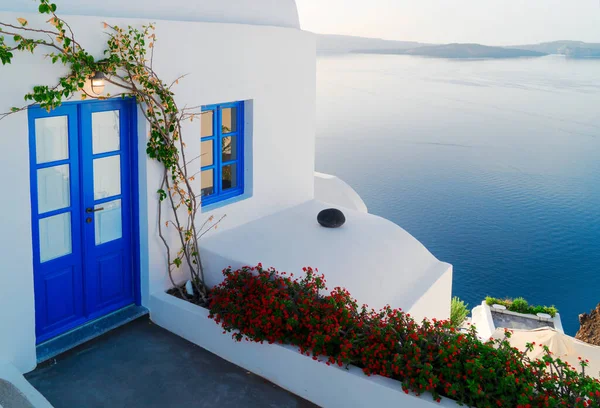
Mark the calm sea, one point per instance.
(493, 164)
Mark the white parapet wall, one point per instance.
(483, 321)
(332, 190)
(326, 386)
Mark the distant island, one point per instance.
(571, 49)
(459, 51)
(344, 44)
(336, 44)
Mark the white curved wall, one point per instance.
(281, 13)
(333, 190)
(376, 260)
(12, 375)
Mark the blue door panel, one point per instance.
(62, 285)
(93, 274)
(111, 279)
(102, 295)
(50, 316)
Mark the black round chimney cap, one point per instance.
(331, 218)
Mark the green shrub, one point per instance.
(458, 312)
(521, 305)
(551, 310)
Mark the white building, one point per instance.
(79, 209)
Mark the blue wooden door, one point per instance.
(81, 188)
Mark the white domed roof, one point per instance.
(376, 260)
(280, 13)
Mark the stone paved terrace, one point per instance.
(143, 365)
(518, 322)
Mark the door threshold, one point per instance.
(82, 334)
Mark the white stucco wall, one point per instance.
(375, 259)
(17, 322)
(280, 13)
(272, 67)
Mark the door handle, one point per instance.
(91, 210)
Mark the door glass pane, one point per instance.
(207, 156)
(229, 177)
(229, 118)
(208, 182)
(229, 148)
(55, 236)
(51, 139)
(207, 123)
(108, 222)
(53, 188)
(107, 177)
(106, 135)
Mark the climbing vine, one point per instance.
(128, 65)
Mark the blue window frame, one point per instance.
(222, 146)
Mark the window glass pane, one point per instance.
(55, 236)
(229, 118)
(106, 136)
(207, 123)
(208, 182)
(53, 188)
(107, 177)
(229, 148)
(108, 222)
(51, 139)
(207, 155)
(229, 177)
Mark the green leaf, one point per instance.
(53, 7)
(5, 56)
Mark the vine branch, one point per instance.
(127, 66)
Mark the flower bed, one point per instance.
(520, 305)
(325, 385)
(432, 357)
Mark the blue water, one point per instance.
(493, 165)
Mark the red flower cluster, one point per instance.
(260, 305)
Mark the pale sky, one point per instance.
(493, 22)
